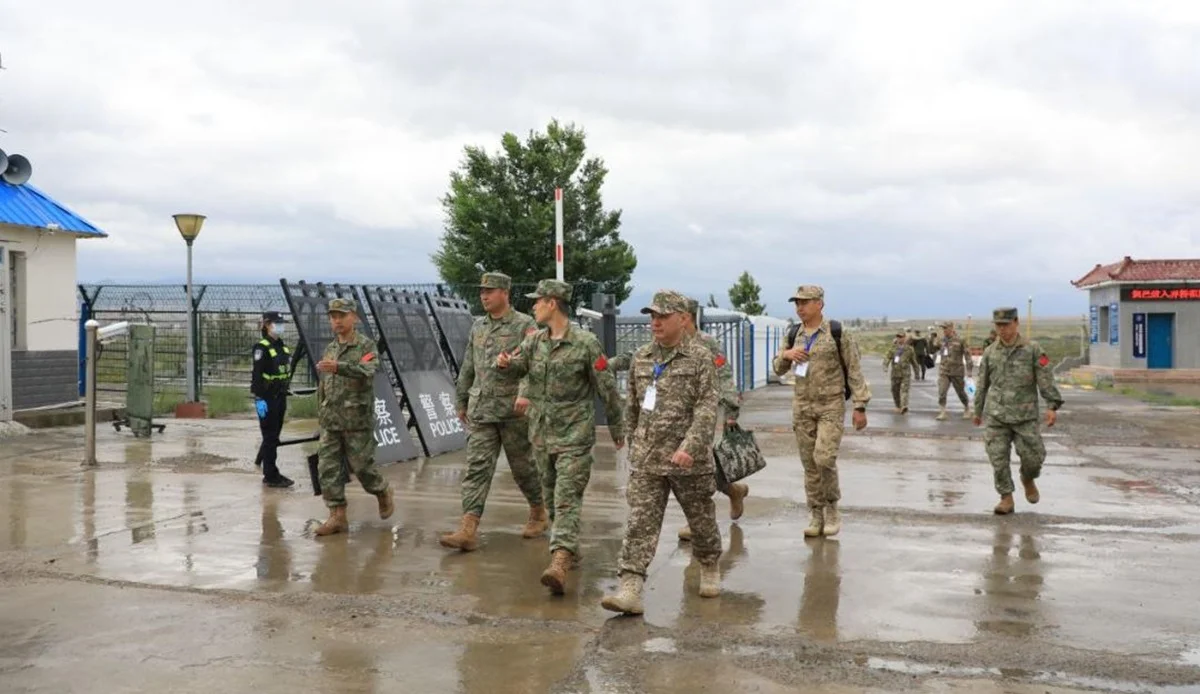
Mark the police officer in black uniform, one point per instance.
(269, 383)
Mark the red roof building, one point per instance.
(1141, 271)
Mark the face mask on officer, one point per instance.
(277, 329)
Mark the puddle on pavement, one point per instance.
(660, 645)
(906, 667)
(1191, 657)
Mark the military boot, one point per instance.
(386, 506)
(538, 521)
(336, 523)
(1031, 490)
(833, 521)
(738, 492)
(685, 534)
(710, 580)
(465, 538)
(941, 414)
(967, 412)
(1005, 506)
(555, 575)
(816, 522)
(628, 599)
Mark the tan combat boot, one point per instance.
(336, 523)
(555, 575)
(465, 538)
(386, 506)
(1031, 491)
(816, 522)
(685, 534)
(967, 412)
(738, 492)
(941, 414)
(833, 521)
(538, 522)
(628, 599)
(710, 580)
(1005, 506)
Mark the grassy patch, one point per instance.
(1157, 398)
(227, 400)
(302, 407)
(165, 402)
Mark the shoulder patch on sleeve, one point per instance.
(257, 354)
(719, 360)
(1043, 361)
(367, 358)
(601, 363)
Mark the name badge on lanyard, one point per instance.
(651, 396)
(801, 369)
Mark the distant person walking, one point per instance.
(954, 360)
(900, 361)
(270, 374)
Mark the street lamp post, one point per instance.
(189, 228)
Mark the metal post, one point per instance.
(1029, 317)
(89, 426)
(558, 234)
(191, 335)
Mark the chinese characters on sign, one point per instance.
(1094, 318)
(450, 423)
(1139, 336)
(1161, 293)
(385, 429)
(1114, 323)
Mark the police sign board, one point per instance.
(1114, 323)
(454, 320)
(1094, 321)
(415, 354)
(308, 304)
(1139, 336)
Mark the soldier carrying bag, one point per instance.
(737, 455)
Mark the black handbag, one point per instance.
(737, 455)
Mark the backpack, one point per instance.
(835, 329)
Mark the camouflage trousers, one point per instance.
(647, 498)
(565, 476)
(999, 440)
(483, 449)
(960, 388)
(901, 385)
(358, 450)
(819, 436)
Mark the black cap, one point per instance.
(273, 317)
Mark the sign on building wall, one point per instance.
(1114, 324)
(1161, 292)
(1094, 318)
(1139, 336)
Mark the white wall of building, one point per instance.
(51, 311)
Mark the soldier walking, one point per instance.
(828, 372)
(487, 405)
(954, 359)
(901, 360)
(564, 370)
(921, 347)
(346, 398)
(671, 410)
(1013, 372)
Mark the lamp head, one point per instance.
(189, 225)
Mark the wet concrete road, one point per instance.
(169, 568)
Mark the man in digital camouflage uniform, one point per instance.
(346, 411)
(564, 370)
(819, 404)
(486, 403)
(1014, 370)
(901, 360)
(954, 361)
(671, 414)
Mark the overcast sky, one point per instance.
(914, 158)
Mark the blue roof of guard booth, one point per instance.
(26, 206)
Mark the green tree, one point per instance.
(712, 302)
(500, 215)
(744, 296)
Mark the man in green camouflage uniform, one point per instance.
(954, 360)
(901, 359)
(671, 412)
(486, 404)
(346, 411)
(1014, 370)
(564, 370)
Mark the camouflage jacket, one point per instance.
(955, 357)
(562, 379)
(1010, 378)
(685, 408)
(822, 386)
(908, 359)
(346, 399)
(727, 391)
(485, 393)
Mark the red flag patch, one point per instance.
(601, 363)
(1043, 361)
(719, 361)
(366, 358)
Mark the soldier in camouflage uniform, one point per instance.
(1013, 371)
(920, 345)
(954, 361)
(819, 404)
(671, 410)
(901, 359)
(564, 370)
(487, 400)
(346, 411)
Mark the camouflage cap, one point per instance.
(495, 280)
(693, 307)
(342, 305)
(667, 301)
(552, 288)
(948, 324)
(1004, 315)
(807, 291)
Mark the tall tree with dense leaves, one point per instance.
(744, 296)
(500, 215)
